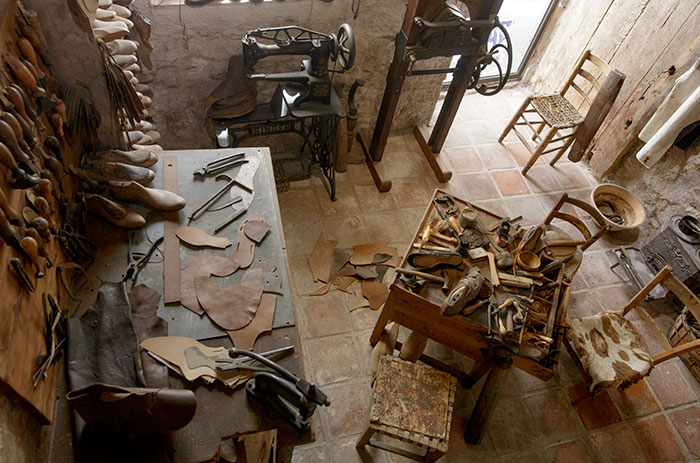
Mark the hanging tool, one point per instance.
(134, 264)
(220, 164)
(207, 204)
(291, 398)
(18, 269)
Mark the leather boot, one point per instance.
(142, 158)
(108, 171)
(143, 25)
(114, 213)
(158, 200)
(133, 410)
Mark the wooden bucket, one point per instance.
(686, 329)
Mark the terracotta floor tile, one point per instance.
(372, 200)
(412, 218)
(526, 383)
(359, 174)
(325, 315)
(364, 349)
(343, 451)
(687, 422)
(410, 193)
(597, 412)
(583, 304)
(463, 159)
(495, 156)
(399, 165)
(363, 318)
(346, 202)
(567, 372)
(349, 412)
(385, 226)
(520, 153)
(574, 451)
(613, 297)
(301, 276)
(311, 453)
(511, 428)
(616, 444)
(526, 206)
(480, 132)
(690, 379)
(657, 440)
(333, 359)
(495, 206)
(542, 179)
(531, 455)
(549, 200)
(478, 186)
(669, 386)
(347, 231)
(635, 400)
(458, 450)
(572, 175)
(553, 416)
(298, 206)
(596, 268)
(510, 182)
(301, 237)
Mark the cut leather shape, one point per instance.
(244, 251)
(340, 258)
(343, 283)
(158, 200)
(232, 307)
(260, 446)
(201, 265)
(133, 410)
(429, 259)
(347, 270)
(82, 288)
(321, 259)
(356, 300)
(364, 254)
(261, 323)
(322, 290)
(144, 305)
(381, 258)
(197, 237)
(236, 82)
(171, 349)
(101, 336)
(366, 272)
(256, 230)
(375, 292)
(273, 282)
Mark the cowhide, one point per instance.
(610, 349)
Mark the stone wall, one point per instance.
(189, 60)
(643, 39)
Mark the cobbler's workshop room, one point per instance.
(339, 231)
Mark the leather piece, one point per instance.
(322, 290)
(157, 200)
(171, 246)
(82, 287)
(144, 305)
(256, 230)
(364, 254)
(108, 408)
(244, 251)
(273, 282)
(340, 258)
(261, 323)
(232, 307)
(235, 82)
(102, 344)
(375, 292)
(366, 272)
(172, 349)
(321, 259)
(343, 283)
(201, 265)
(197, 237)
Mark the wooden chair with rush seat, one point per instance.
(608, 349)
(558, 112)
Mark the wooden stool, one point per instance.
(411, 403)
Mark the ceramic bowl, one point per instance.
(618, 207)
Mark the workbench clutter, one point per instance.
(488, 287)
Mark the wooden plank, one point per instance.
(632, 110)
(171, 245)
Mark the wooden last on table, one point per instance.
(465, 335)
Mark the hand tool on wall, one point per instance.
(31, 249)
(352, 112)
(291, 398)
(21, 274)
(220, 164)
(23, 75)
(54, 322)
(43, 252)
(20, 104)
(21, 179)
(10, 213)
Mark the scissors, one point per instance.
(134, 264)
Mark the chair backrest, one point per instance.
(585, 79)
(589, 237)
(686, 296)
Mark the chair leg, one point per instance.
(540, 149)
(432, 456)
(536, 133)
(515, 118)
(364, 439)
(562, 150)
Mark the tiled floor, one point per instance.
(655, 420)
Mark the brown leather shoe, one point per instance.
(142, 158)
(116, 214)
(108, 171)
(158, 200)
(133, 410)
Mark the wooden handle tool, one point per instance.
(27, 50)
(16, 96)
(57, 123)
(7, 136)
(42, 245)
(31, 248)
(44, 210)
(425, 276)
(27, 132)
(8, 160)
(36, 73)
(54, 146)
(10, 213)
(42, 226)
(23, 75)
(8, 232)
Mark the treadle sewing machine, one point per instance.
(442, 28)
(304, 102)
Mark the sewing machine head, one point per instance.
(313, 81)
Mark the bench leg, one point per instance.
(364, 439)
(432, 456)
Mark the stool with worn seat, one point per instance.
(411, 403)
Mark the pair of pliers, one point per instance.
(240, 362)
(134, 264)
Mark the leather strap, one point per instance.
(171, 251)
